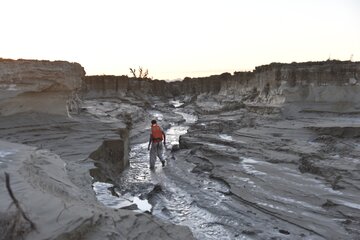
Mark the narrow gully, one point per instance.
(184, 196)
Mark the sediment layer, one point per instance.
(330, 81)
(39, 86)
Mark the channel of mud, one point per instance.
(238, 174)
(172, 193)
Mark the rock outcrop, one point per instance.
(112, 157)
(108, 86)
(39, 86)
(105, 86)
(276, 83)
(330, 81)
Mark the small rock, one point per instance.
(347, 221)
(113, 192)
(175, 148)
(249, 232)
(157, 188)
(329, 204)
(131, 207)
(284, 232)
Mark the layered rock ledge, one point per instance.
(39, 86)
(276, 83)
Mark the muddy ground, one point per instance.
(239, 171)
(47, 158)
(290, 175)
(247, 171)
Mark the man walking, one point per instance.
(157, 136)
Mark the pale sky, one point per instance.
(179, 38)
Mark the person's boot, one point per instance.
(163, 163)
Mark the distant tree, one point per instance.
(141, 73)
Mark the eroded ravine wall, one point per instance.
(39, 86)
(330, 82)
(108, 86)
(276, 83)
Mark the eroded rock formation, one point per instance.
(112, 157)
(39, 86)
(273, 152)
(277, 83)
(46, 152)
(107, 86)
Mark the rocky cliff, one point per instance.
(276, 83)
(108, 86)
(39, 86)
(330, 81)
